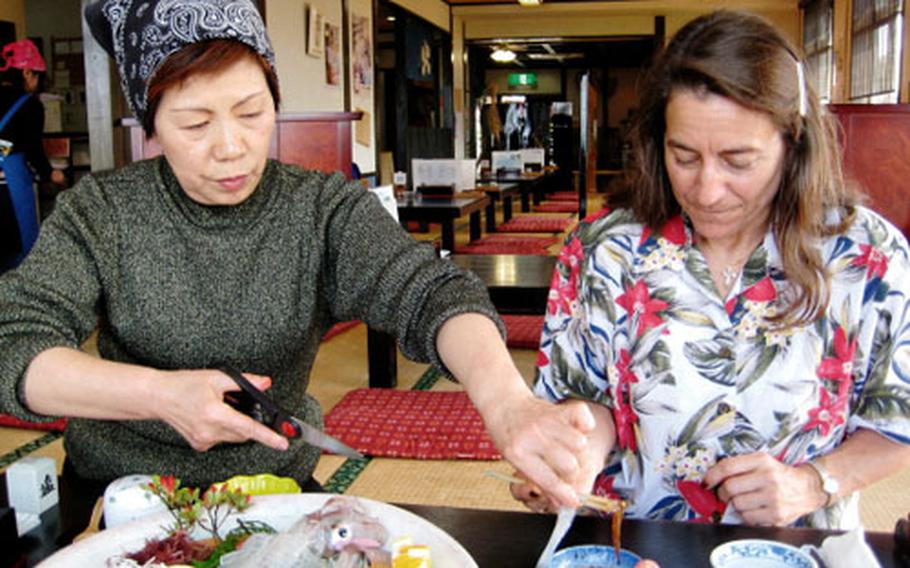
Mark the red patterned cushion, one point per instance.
(12, 422)
(523, 331)
(501, 248)
(411, 424)
(543, 242)
(563, 196)
(557, 207)
(531, 224)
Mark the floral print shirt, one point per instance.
(635, 322)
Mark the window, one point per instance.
(876, 51)
(818, 17)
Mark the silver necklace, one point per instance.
(729, 275)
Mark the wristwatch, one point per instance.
(830, 485)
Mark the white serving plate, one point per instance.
(279, 511)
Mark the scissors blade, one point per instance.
(316, 437)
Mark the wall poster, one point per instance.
(332, 54)
(315, 40)
(361, 53)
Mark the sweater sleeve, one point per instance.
(51, 299)
(377, 272)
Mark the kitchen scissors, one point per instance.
(261, 408)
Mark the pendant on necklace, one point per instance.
(729, 275)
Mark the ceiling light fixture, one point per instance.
(501, 55)
(530, 2)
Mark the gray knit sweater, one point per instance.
(173, 284)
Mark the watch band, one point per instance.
(829, 484)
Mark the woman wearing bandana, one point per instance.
(215, 255)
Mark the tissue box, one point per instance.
(31, 484)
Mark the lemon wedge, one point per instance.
(261, 484)
(405, 554)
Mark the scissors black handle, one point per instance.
(258, 406)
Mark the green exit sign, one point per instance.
(522, 79)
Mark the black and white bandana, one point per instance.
(141, 34)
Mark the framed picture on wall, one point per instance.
(332, 54)
(361, 53)
(315, 38)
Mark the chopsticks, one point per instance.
(604, 504)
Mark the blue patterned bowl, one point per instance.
(593, 555)
(756, 553)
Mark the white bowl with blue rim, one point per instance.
(593, 555)
(758, 553)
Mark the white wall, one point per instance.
(302, 77)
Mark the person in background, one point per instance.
(213, 255)
(737, 323)
(21, 72)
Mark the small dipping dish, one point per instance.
(593, 555)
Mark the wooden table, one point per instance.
(515, 540)
(493, 538)
(496, 192)
(530, 184)
(518, 283)
(443, 210)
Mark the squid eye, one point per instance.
(340, 534)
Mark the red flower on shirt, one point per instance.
(596, 215)
(839, 367)
(624, 416)
(542, 359)
(874, 260)
(563, 294)
(705, 503)
(571, 255)
(761, 291)
(603, 487)
(637, 301)
(673, 231)
(828, 413)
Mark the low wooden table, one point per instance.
(443, 210)
(493, 538)
(530, 184)
(496, 192)
(518, 283)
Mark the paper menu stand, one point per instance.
(400, 182)
(532, 159)
(443, 172)
(506, 161)
(31, 486)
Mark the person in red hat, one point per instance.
(21, 129)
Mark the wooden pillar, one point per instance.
(97, 99)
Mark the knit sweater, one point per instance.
(174, 284)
